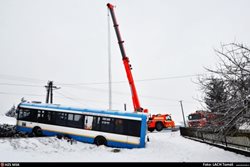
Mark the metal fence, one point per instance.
(239, 143)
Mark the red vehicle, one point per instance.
(159, 122)
(201, 118)
(125, 59)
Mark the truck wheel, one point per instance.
(159, 126)
(151, 129)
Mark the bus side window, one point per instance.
(33, 115)
(40, 115)
(78, 120)
(119, 126)
(70, 117)
(49, 117)
(61, 118)
(107, 124)
(24, 114)
(96, 123)
(20, 114)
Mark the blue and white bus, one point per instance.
(110, 128)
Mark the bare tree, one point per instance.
(231, 76)
(11, 112)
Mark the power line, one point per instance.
(72, 99)
(141, 80)
(20, 78)
(89, 88)
(11, 84)
(80, 99)
(166, 78)
(81, 85)
(8, 93)
(27, 79)
(127, 94)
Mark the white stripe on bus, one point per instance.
(82, 132)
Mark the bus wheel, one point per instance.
(159, 126)
(59, 136)
(37, 131)
(151, 129)
(100, 140)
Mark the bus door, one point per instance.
(88, 121)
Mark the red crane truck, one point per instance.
(125, 59)
(158, 121)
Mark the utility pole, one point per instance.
(50, 87)
(183, 114)
(109, 64)
(48, 92)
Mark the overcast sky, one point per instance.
(168, 43)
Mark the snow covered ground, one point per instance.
(7, 120)
(165, 146)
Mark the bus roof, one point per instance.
(58, 107)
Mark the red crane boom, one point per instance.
(125, 59)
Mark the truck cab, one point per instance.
(201, 118)
(197, 119)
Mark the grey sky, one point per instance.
(66, 41)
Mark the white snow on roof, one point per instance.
(245, 126)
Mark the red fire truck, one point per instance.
(202, 118)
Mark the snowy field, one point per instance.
(163, 147)
(7, 120)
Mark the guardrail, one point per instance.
(239, 143)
